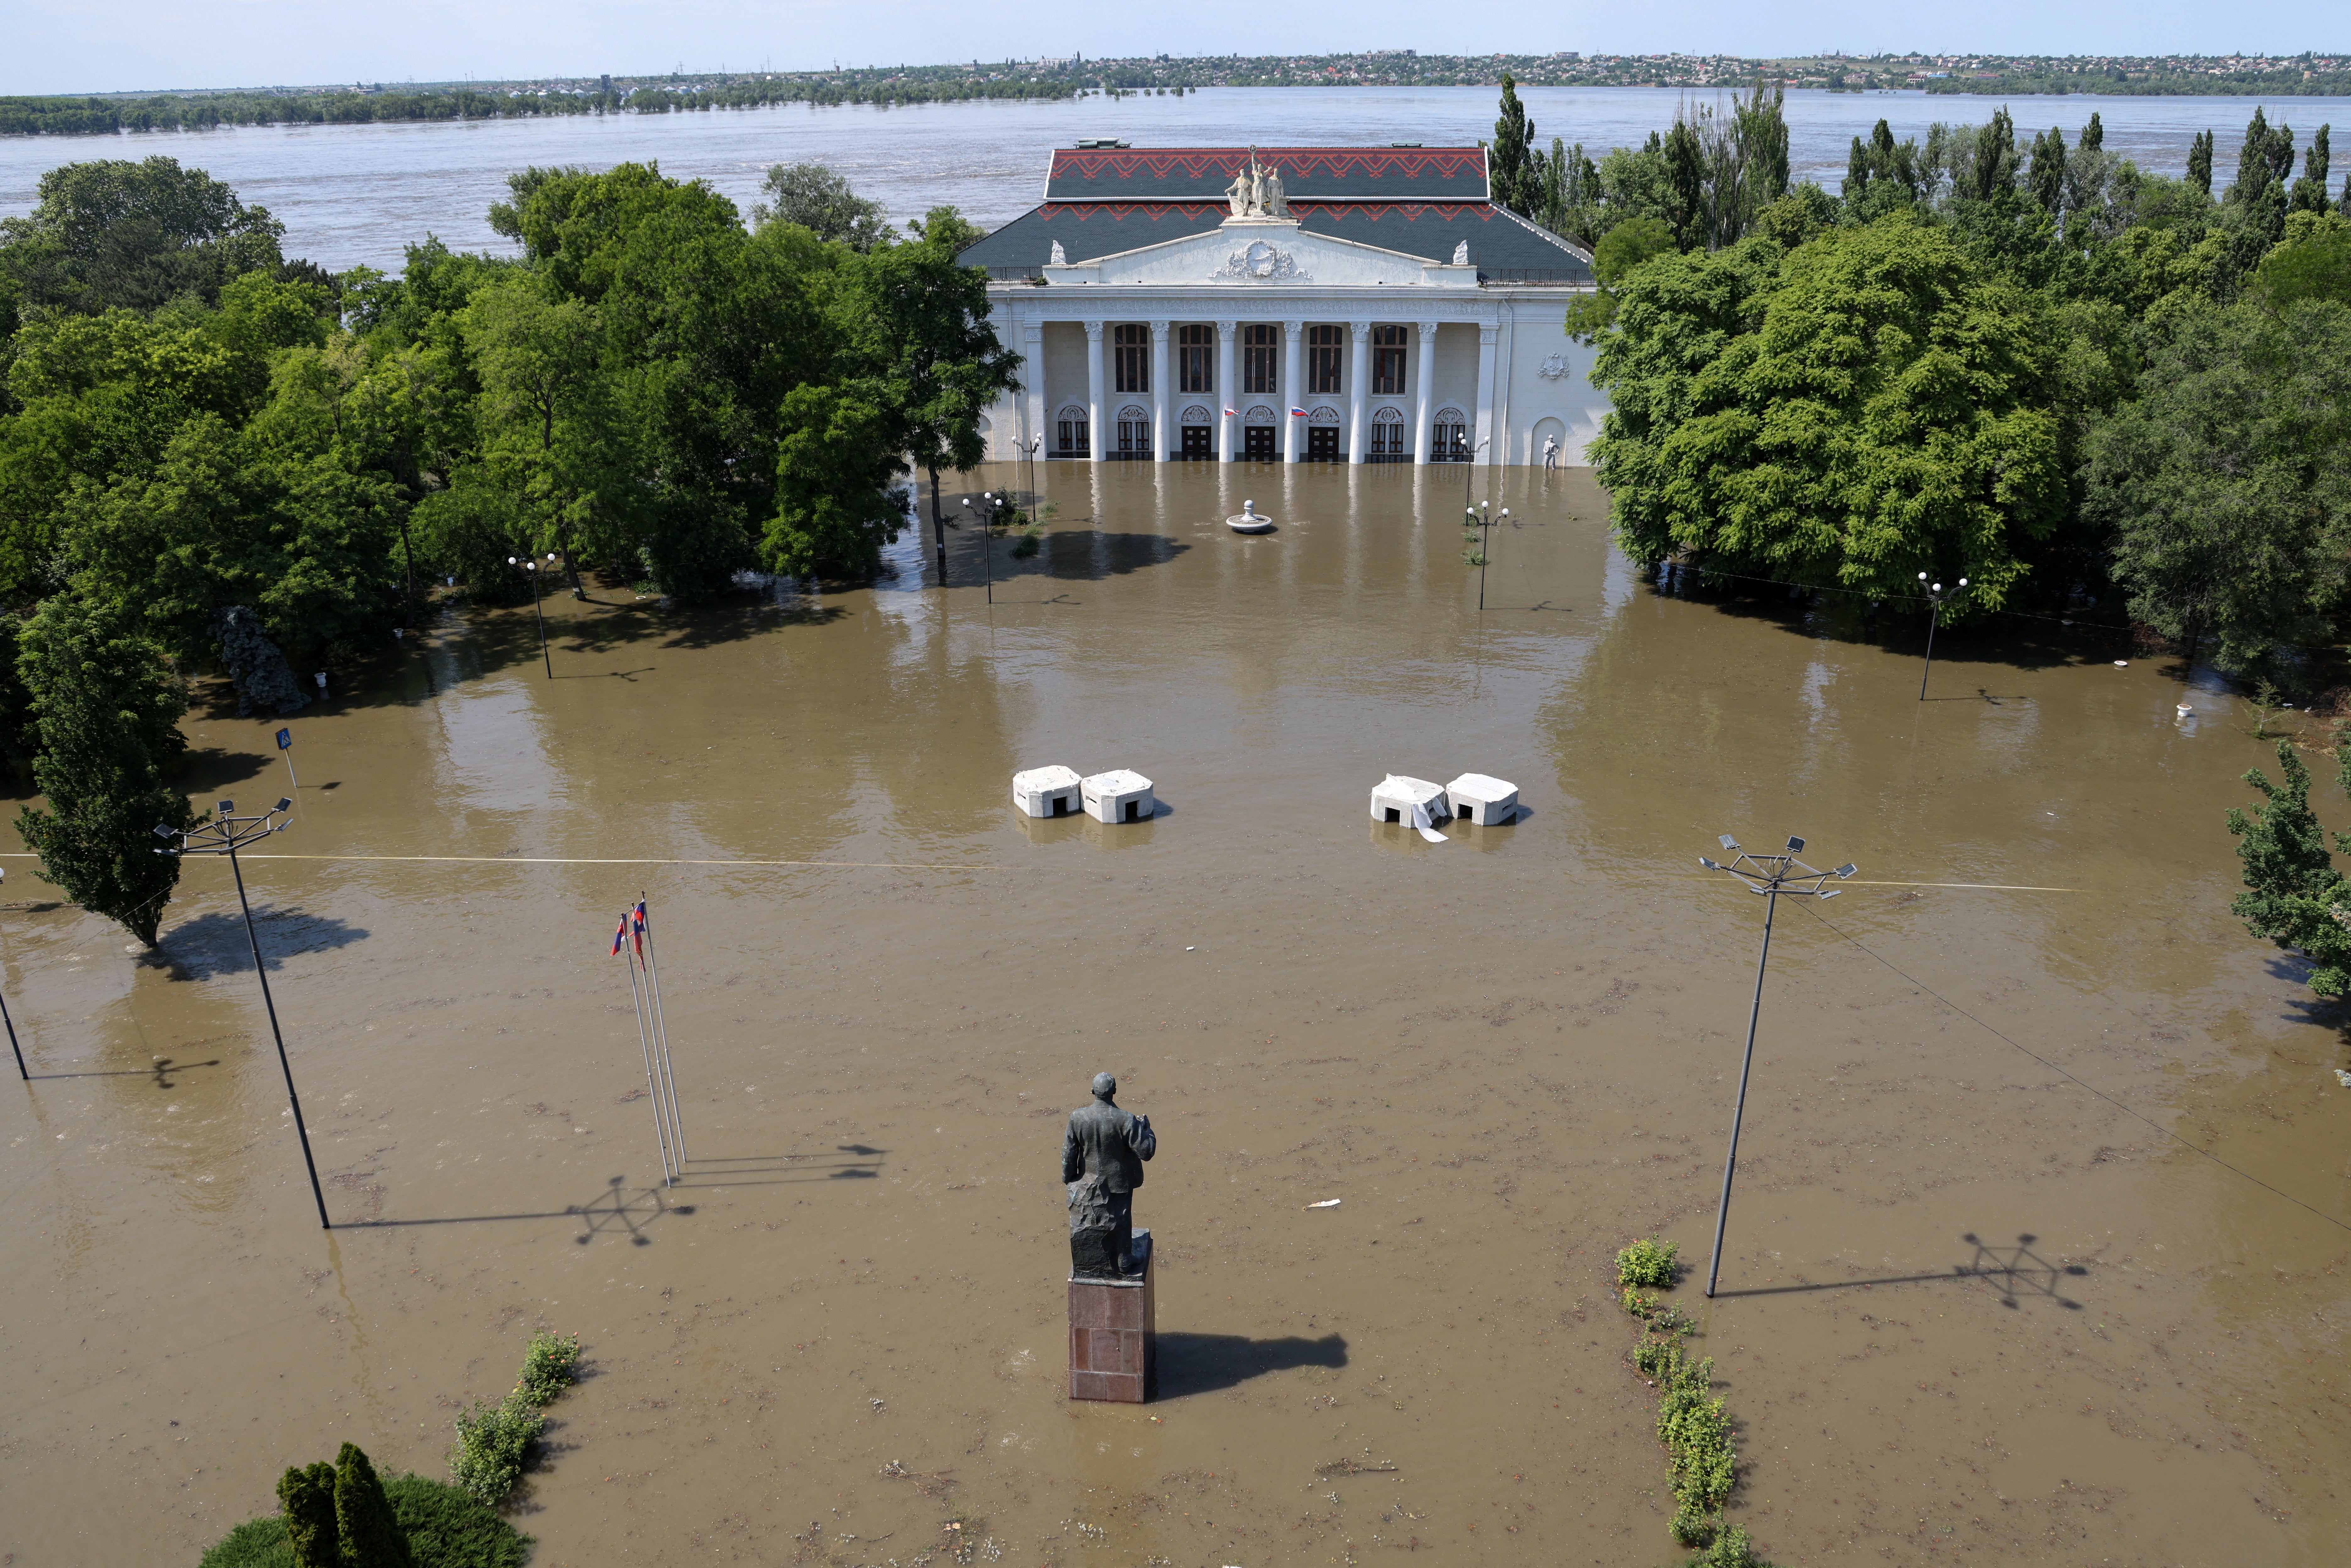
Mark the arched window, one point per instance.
(1196, 357)
(1131, 356)
(1134, 432)
(1388, 436)
(1071, 434)
(1387, 361)
(1449, 437)
(1322, 358)
(1260, 352)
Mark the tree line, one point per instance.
(217, 459)
(2012, 357)
(205, 111)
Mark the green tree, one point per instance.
(2199, 162)
(105, 711)
(113, 233)
(371, 1537)
(821, 202)
(1853, 412)
(2309, 194)
(307, 1498)
(2293, 892)
(1624, 247)
(1512, 163)
(916, 323)
(2226, 483)
(551, 440)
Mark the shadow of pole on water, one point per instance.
(2015, 1272)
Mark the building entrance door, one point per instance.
(1199, 441)
(1258, 445)
(1321, 444)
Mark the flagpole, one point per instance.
(661, 1026)
(653, 1089)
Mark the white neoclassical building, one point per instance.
(1292, 305)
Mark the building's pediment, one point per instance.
(1264, 254)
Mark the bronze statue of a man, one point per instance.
(1102, 1160)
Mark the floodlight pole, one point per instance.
(1769, 875)
(225, 835)
(530, 565)
(1934, 617)
(5, 1019)
(986, 540)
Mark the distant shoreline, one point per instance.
(1061, 80)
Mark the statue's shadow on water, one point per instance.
(1203, 1363)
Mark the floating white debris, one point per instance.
(1119, 796)
(1326, 1203)
(1046, 792)
(1483, 801)
(2343, 1078)
(2185, 711)
(2122, 664)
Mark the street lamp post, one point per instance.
(530, 564)
(12, 1026)
(1935, 596)
(1769, 875)
(986, 537)
(1469, 472)
(225, 835)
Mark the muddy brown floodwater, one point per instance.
(1978, 1302)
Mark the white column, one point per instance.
(1292, 389)
(1032, 372)
(1489, 334)
(1425, 348)
(1229, 392)
(1159, 392)
(1361, 331)
(1095, 392)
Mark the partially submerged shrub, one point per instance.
(494, 1443)
(1648, 1263)
(549, 1367)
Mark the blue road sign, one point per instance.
(284, 740)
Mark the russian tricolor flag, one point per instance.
(1298, 413)
(619, 935)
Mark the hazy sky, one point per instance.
(73, 46)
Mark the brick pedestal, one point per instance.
(1115, 1335)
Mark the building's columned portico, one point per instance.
(1387, 327)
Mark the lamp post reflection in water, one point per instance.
(1769, 875)
(12, 1025)
(225, 835)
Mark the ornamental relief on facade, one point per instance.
(1554, 368)
(1259, 262)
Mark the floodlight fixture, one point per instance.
(284, 803)
(1935, 597)
(226, 807)
(1769, 875)
(163, 831)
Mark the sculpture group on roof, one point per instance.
(1256, 191)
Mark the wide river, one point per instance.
(353, 193)
(2035, 1258)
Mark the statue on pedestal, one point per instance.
(1256, 191)
(1101, 1161)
